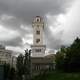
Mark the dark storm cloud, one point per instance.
(53, 42)
(13, 23)
(25, 10)
(15, 42)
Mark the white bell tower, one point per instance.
(38, 48)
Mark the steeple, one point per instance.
(38, 49)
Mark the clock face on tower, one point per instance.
(38, 19)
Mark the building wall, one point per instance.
(38, 48)
(7, 57)
(38, 36)
(38, 51)
(41, 64)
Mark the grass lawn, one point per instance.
(58, 76)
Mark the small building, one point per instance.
(43, 63)
(6, 56)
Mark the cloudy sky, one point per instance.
(62, 22)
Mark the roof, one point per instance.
(42, 60)
(50, 56)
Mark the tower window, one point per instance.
(37, 40)
(38, 32)
(38, 19)
(38, 50)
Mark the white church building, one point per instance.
(39, 61)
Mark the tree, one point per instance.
(6, 71)
(24, 66)
(60, 56)
(12, 74)
(9, 72)
(20, 66)
(27, 64)
(72, 59)
(68, 58)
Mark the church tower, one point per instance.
(38, 48)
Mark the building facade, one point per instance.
(39, 61)
(6, 56)
(38, 48)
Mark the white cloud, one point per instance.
(28, 39)
(7, 34)
(6, 17)
(17, 49)
(68, 23)
(65, 27)
(72, 24)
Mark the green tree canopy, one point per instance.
(20, 66)
(69, 58)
